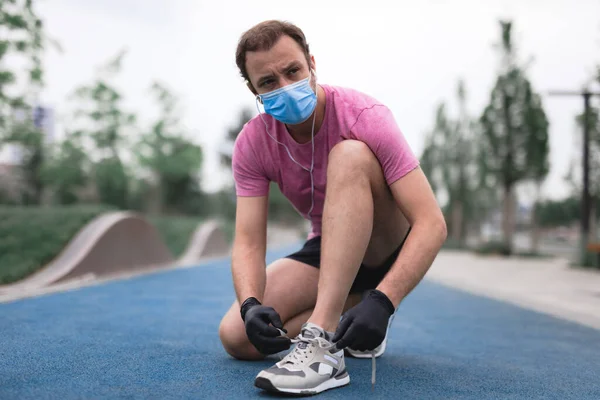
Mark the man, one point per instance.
(341, 160)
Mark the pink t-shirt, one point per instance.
(349, 114)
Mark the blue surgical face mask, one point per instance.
(291, 104)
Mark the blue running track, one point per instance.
(155, 337)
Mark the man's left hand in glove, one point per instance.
(364, 326)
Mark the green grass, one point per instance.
(30, 237)
(492, 248)
(451, 244)
(175, 231)
(229, 230)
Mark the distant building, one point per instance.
(44, 119)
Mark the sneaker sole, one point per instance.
(265, 384)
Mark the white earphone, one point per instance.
(312, 139)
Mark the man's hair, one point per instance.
(263, 36)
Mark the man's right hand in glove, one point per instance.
(262, 324)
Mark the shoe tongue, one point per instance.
(310, 331)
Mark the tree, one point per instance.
(450, 161)
(16, 34)
(66, 172)
(30, 142)
(244, 116)
(20, 115)
(173, 161)
(557, 213)
(573, 176)
(99, 117)
(538, 151)
(513, 125)
(225, 200)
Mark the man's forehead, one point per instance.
(285, 51)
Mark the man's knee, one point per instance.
(351, 159)
(235, 341)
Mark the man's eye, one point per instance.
(293, 71)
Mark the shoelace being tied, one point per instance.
(302, 342)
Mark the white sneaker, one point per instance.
(378, 351)
(313, 366)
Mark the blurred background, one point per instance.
(135, 104)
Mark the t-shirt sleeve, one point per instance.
(377, 128)
(248, 175)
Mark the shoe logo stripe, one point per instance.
(331, 359)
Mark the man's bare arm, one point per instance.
(249, 248)
(415, 198)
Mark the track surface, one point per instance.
(155, 337)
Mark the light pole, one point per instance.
(585, 195)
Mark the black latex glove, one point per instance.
(364, 326)
(261, 327)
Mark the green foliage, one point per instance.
(140, 192)
(101, 118)
(280, 208)
(24, 35)
(514, 130)
(493, 248)
(173, 161)
(229, 230)
(222, 204)
(453, 244)
(100, 107)
(112, 182)
(32, 237)
(31, 141)
(594, 160)
(232, 133)
(555, 213)
(533, 254)
(176, 231)
(65, 172)
(25, 40)
(13, 24)
(450, 162)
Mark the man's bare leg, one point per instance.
(294, 325)
(361, 223)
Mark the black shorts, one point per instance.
(367, 277)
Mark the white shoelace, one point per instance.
(299, 354)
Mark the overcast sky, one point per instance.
(408, 54)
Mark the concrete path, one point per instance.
(545, 285)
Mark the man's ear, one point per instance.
(251, 88)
